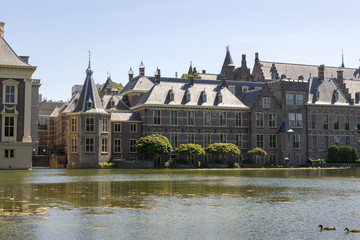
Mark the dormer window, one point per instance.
(187, 96)
(219, 97)
(112, 103)
(171, 95)
(89, 104)
(317, 94)
(336, 95)
(203, 96)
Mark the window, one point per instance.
(289, 99)
(272, 120)
(347, 140)
(336, 122)
(336, 95)
(272, 158)
(314, 143)
(299, 100)
(203, 96)
(259, 119)
(156, 116)
(313, 121)
(117, 127)
(187, 96)
(133, 127)
(191, 138)
(238, 119)
(132, 145)
(296, 141)
(89, 145)
(89, 124)
(232, 89)
(191, 118)
(171, 95)
(173, 117)
(295, 120)
(244, 88)
(207, 139)
(222, 118)
(10, 91)
(222, 138)
(207, 118)
(219, 97)
(326, 122)
(326, 143)
(337, 140)
(266, 101)
(358, 123)
(272, 141)
(117, 145)
(238, 140)
(74, 146)
(9, 94)
(73, 125)
(9, 126)
(105, 125)
(104, 145)
(174, 140)
(9, 153)
(347, 122)
(298, 158)
(260, 140)
(317, 94)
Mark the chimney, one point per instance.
(340, 77)
(2, 29)
(131, 74)
(25, 59)
(142, 69)
(321, 72)
(256, 57)
(157, 75)
(191, 81)
(243, 61)
(203, 71)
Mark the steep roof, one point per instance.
(119, 105)
(128, 117)
(109, 84)
(8, 57)
(89, 93)
(285, 128)
(139, 83)
(228, 59)
(249, 97)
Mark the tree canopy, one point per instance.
(223, 149)
(257, 152)
(190, 149)
(119, 86)
(154, 144)
(195, 76)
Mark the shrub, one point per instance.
(333, 153)
(236, 165)
(347, 154)
(108, 165)
(247, 161)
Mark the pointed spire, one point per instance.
(191, 70)
(88, 70)
(228, 59)
(342, 57)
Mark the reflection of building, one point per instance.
(292, 111)
(18, 106)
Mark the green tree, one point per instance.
(223, 149)
(155, 145)
(347, 154)
(119, 86)
(257, 152)
(190, 149)
(195, 76)
(333, 153)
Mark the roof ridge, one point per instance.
(301, 64)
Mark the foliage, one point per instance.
(195, 76)
(119, 86)
(154, 144)
(347, 154)
(190, 149)
(108, 165)
(333, 153)
(168, 163)
(236, 165)
(223, 149)
(257, 152)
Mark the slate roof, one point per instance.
(119, 105)
(139, 83)
(285, 128)
(326, 91)
(228, 59)
(109, 84)
(128, 117)
(8, 57)
(249, 97)
(56, 112)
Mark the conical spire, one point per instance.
(191, 70)
(228, 62)
(342, 58)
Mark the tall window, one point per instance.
(207, 118)
(73, 125)
(9, 127)
(266, 101)
(238, 119)
(117, 145)
(222, 118)
(222, 138)
(272, 141)
(295, 120)
(207, 139)
(191, 118)
(74, 146)
(260, 140)
(191, 138)
(232, 89)
(117, 127)
(314, 143)
(326, 121)
(173, 117)
(259, 119)
(289, 99)
(132, 146)
(105, 125)
(298, 158)
(337, 140)
(133, 127)
(272, 120)
(313, 121)
(89, 145)
(347, 140)
(336, 122)
(347, 122)
(89, 124)
(9, 94)
(156, 116)
(239, 140)
(326, 143)
(299, 99)
(272, 158)
(174, 140)
(9, 153)
(296, 141)
(104, 145)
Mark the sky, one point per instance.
(57, 35)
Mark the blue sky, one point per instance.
(169, 34)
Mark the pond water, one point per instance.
(179, 204)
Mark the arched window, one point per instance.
(219, 97)
(187, 96)
(203, 96)
(171, 95)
